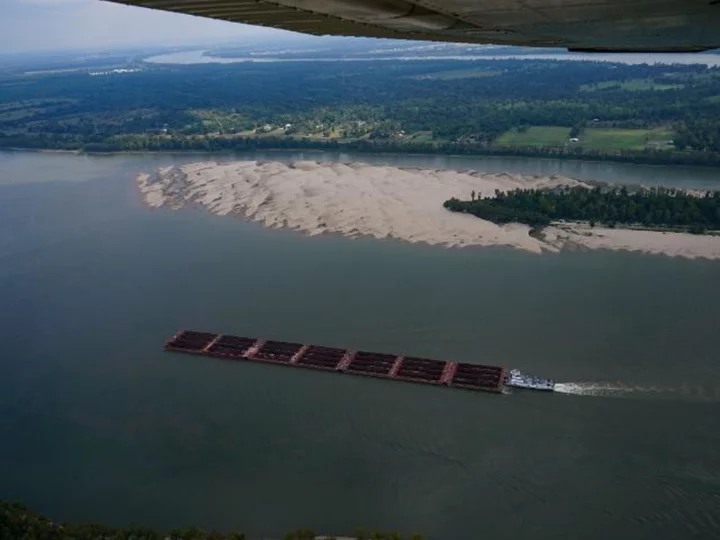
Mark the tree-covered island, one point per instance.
(649, 208)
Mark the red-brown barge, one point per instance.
(386, 366)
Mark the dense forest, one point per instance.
(589, 110)
(652, 208)
(17, 522)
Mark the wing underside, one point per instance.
(589, 25)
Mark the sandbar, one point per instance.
(356, 199)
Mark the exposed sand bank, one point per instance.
(387, 202)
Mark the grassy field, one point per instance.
(622, 139)
(10, 115)
(422, 137)
(633, 85)
(595, 138)
(535, 136)
(471, 73)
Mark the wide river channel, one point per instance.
(97, 423)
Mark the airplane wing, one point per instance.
(581, 25)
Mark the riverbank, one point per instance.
(405, 204)
(230, 145)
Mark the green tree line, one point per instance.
(656, 207)
(180, 143)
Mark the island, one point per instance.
(658, 209)
(385, 202)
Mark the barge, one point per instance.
(385, 366)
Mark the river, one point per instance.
(97, 423)
(200, 57)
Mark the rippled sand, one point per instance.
(387, 202)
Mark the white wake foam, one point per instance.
(595, 388)
(618, 389)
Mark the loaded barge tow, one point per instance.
(385, 366)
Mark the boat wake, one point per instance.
(599, 388)
(619, 389)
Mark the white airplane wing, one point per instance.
(585, 25)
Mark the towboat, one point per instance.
(517, 379)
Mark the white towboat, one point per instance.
(518, 380)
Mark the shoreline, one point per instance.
(500, 154)
(406, 204)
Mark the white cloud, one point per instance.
(63, 24)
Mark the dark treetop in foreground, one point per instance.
(20, 523)
(657, 207)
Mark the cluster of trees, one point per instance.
(17, 522)
(699, 134)
(656, 207)
(491, 210)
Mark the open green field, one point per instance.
(535, 136)
(622, 139)
(594, 138)
(422, 137)
(471, 73)
(633, 85)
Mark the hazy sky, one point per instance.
(39, 25)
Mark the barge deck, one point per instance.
(385, 366)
